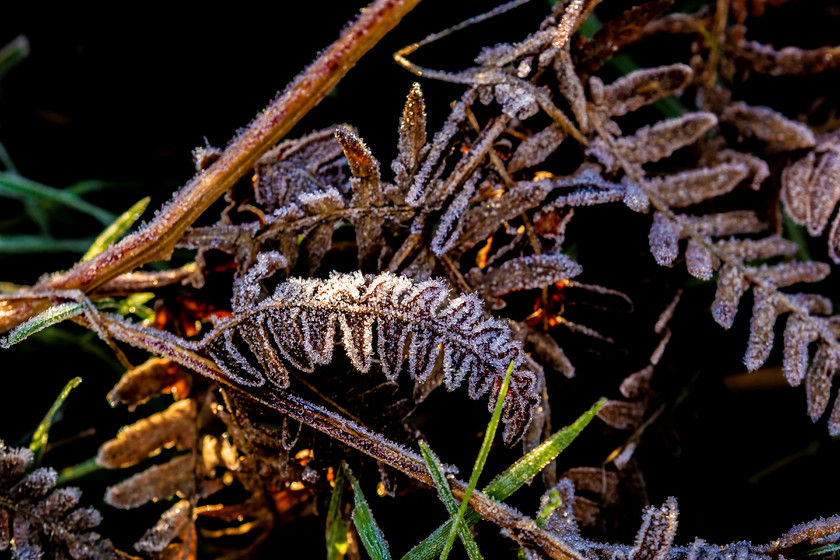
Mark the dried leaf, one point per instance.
(298, 325)
(798, 335)
(659, 525)
(818, 380)
(173, 426)
(700, 261)
(690, 187)
(652, 143)
(725, 223)
(664, 239)
(780, 133)
(811, 187)
(412, 143)
(639, 88)
(527, 273)
(481, 222)
(306, 165)
(536, 148)
(622, 415)
(762, 322)
(171, 525)
(785, 274)
(626, 28)
(730, 287)
(549, 352)
(154, 377)
(765, 59)
(158, 482)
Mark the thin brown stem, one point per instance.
(156, 241)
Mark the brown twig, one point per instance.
(156, 241)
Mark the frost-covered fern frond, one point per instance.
(39, 521)
(297, 326)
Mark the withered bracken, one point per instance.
(482, 208)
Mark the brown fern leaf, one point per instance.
(526, 273)
(763, 123)
(297, 325)
(294, 167)
(367, 191)
(638, 88)
(654, 142)
(157, 376)
(811, 190)
(764, 59)
(148, 436)
(627, 28)
(691, 187)
(412, 143)
(38, 521)
(158, 482)
(176, 522)
(654, 539)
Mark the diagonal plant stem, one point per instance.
(156, 241)
(520, 527)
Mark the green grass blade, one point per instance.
(6, 159)
(80, 470)
(337, 527)
(554, 502)
(13, 53)
(823, 550)
(510, 481)
(445, 494)
(531, 464)
(42, 432)
(20, 244)
(15, 186)
(50, 317)
(114, 231)
(479, 463)
(369, 532)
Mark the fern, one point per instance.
(298, 324)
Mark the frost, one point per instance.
(526, 273)
(730, 287)
(654, 539)
(652, 143)
(412, 143)
(762, 322)
(798, 335)
(664, 239)
(640, 88)
(536, 148)
(781, 133)
(699, 261)
(818, 380)
(811, 187)
(298, 325)
(690, 187)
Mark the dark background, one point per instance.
(124, 96)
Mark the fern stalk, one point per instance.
(159, 238)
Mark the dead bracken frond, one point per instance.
(521, 243)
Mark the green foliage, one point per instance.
(369, 532)
(510, 481)
(337, 527)
(42, 432)
(445, 495)
(114, 231)
(479, 464)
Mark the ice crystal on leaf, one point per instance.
(297, 326)
(45, 522)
